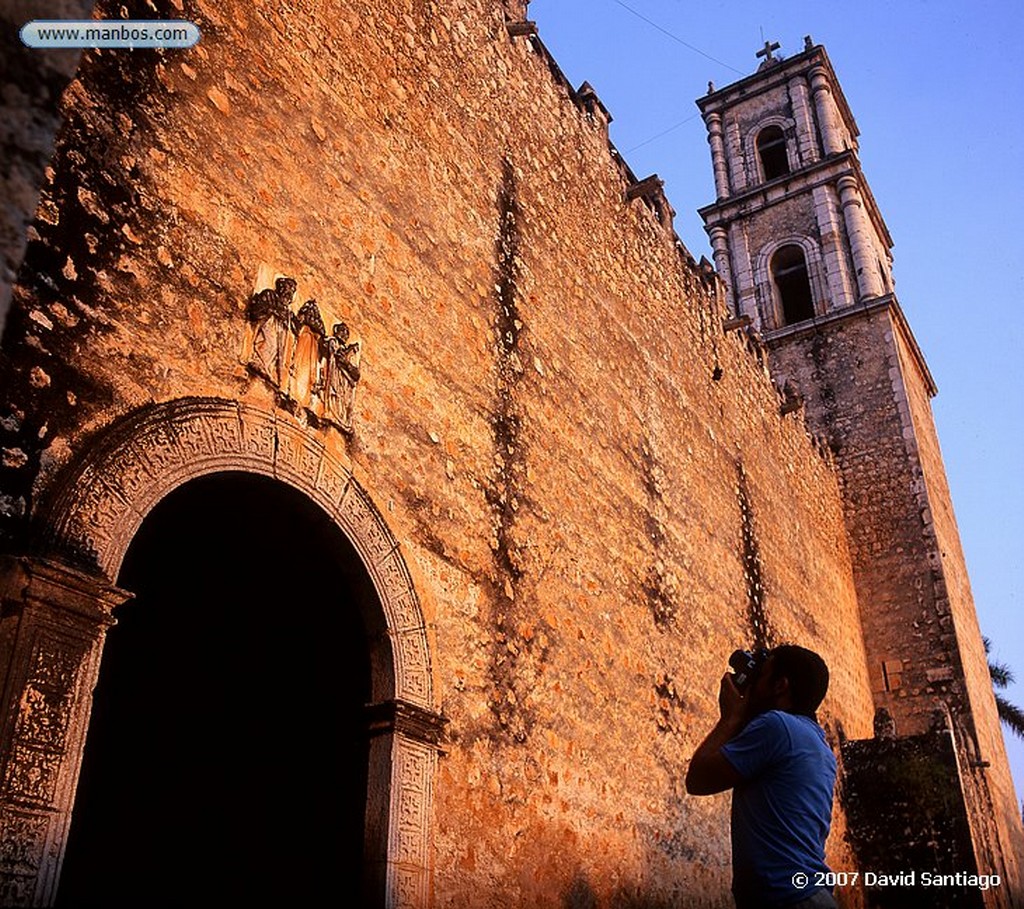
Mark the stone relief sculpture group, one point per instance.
(294, 352)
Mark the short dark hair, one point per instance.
(807, 674)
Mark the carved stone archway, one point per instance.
(55, 608)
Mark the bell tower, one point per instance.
(804, 252)
(795, 231)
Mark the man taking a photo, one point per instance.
(769, 749)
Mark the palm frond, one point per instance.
(1011, 715)
(1002, 675)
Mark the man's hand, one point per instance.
(710, 771)
(732, 705)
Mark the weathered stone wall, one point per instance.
(847, 372)
(592, 484)
(31, 82)
(792, 218)
(902, 796)
(994, 812)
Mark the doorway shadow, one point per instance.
(226, 759)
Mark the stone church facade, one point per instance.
(384, 485)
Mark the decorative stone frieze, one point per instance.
(53, 620)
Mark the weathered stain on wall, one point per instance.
(761, 632)
(32, 82)
(902, 799)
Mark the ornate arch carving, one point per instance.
(97, 510)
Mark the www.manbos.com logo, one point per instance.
(124, 33)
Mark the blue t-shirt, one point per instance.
(782, 810)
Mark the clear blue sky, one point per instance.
(937, 89)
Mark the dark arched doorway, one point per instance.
(226, 759)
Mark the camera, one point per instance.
(745, 665)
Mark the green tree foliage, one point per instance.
(1002, 677)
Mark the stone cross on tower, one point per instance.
(766, 51)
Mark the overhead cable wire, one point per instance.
(676, 38)
(664, 132)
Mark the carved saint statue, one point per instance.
(293, 352)
(310, 346)
(341, 376)
(270, 314)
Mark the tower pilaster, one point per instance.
(828, 115)
(858, 229)
(841, 284)
(715, 139)
(808, 143)
(720, 253)
(737, 165)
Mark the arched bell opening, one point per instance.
(793, 284)
(771, 151)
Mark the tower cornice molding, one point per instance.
(781, 189)
(863, 309)
(769, 79)
(827, 171)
